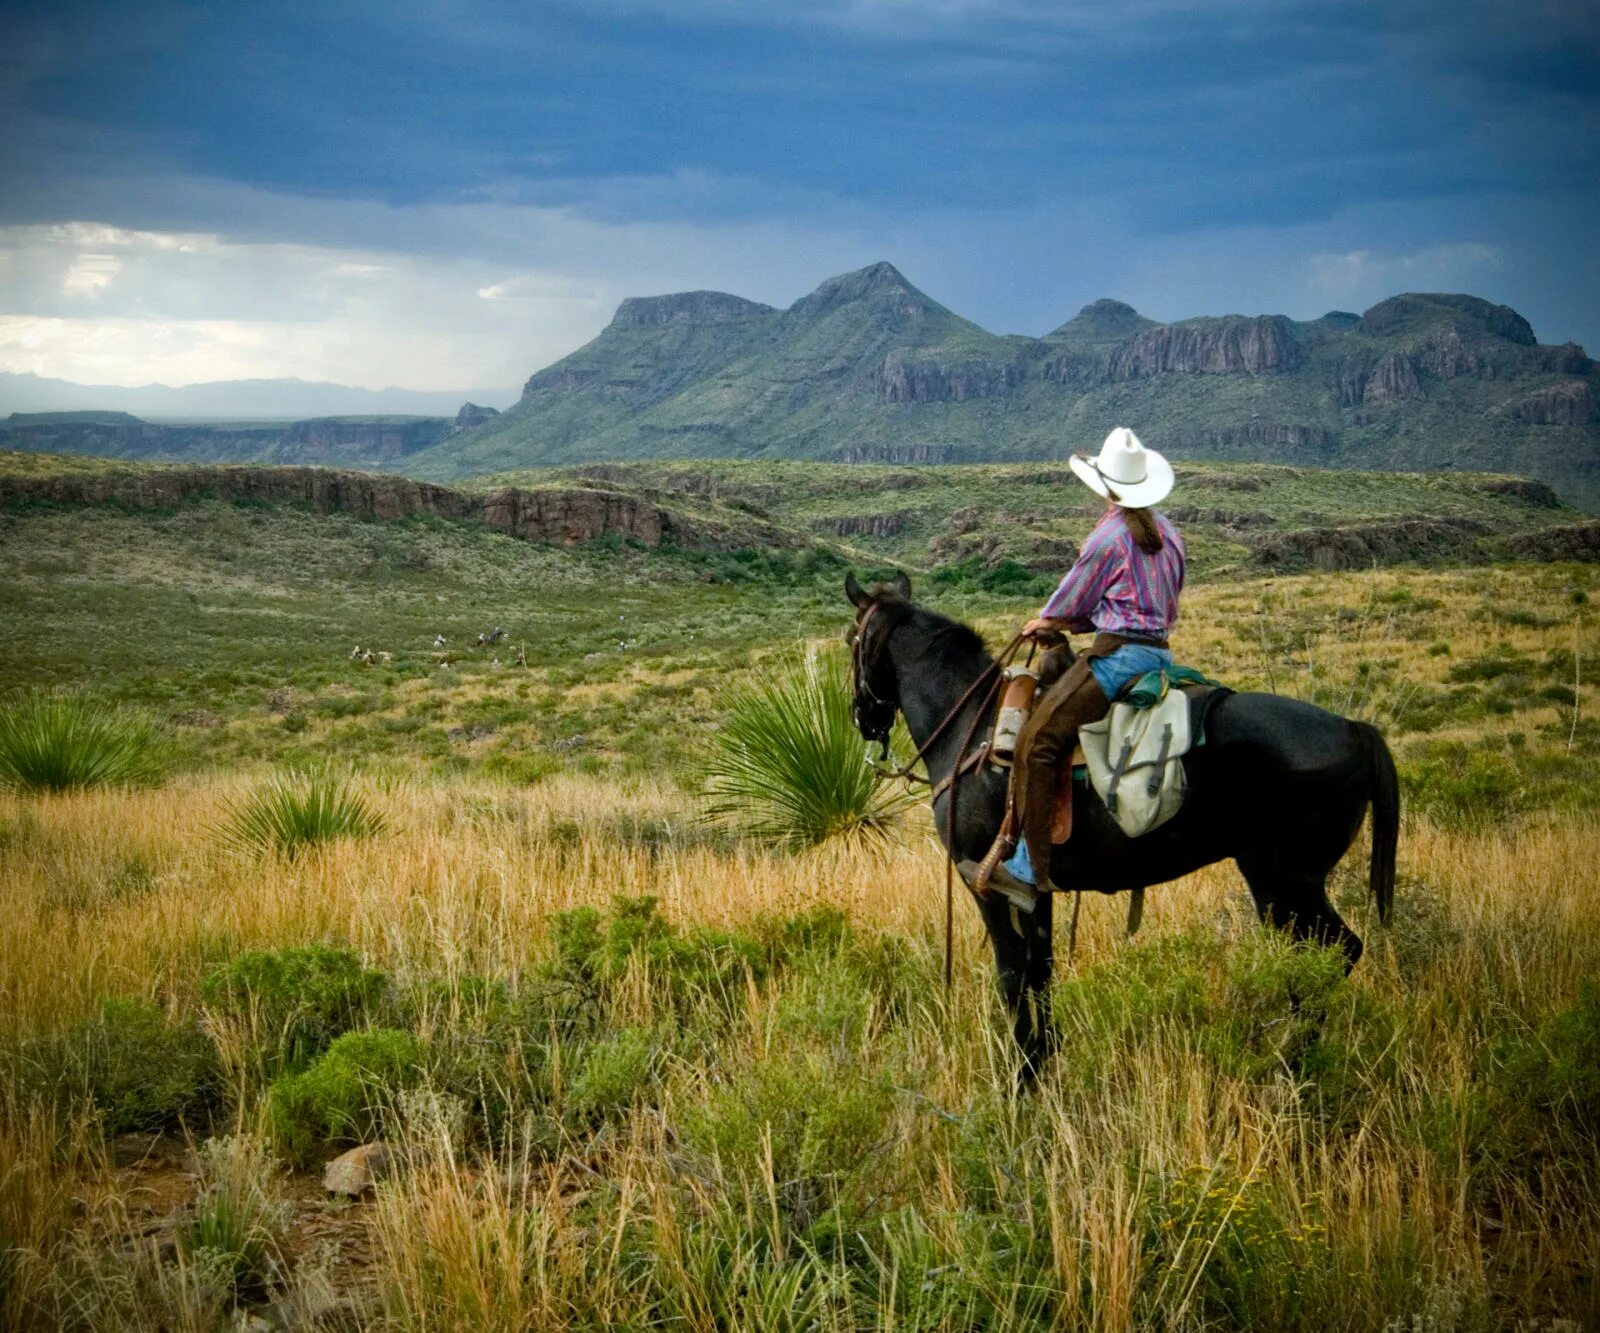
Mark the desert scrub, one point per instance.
(1232, 1251)
(786, 765)
(290, 814)
(279, 1008)
(238, 1220)
(345, 1095)
(52, 742)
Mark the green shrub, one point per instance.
(1459, 787)
(143, 1071)
(687, 967)
(295, 1001)
(290, 814)
(612, 1074)
(58, 742)
(816, 1118)
(786, 765)
(342, 1097)
(1544, 1090)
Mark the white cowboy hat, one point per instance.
(1126, 472)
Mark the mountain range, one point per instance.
(232, 400)
(867, 368)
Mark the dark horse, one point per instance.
(1280, 786)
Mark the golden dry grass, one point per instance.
(1183, 1166)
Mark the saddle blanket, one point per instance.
(1135, 760)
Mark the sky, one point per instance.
(457, 193)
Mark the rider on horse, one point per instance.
(1125, 588)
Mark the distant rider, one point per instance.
(1125, 588)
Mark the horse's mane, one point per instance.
(945, 637)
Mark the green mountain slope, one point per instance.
(869, 369)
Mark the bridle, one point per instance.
(989, 680)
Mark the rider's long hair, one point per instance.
(1144, 529)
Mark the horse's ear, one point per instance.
(858, 595)
(902, 584)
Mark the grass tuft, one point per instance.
(788, 763)
(295, 812)
(52, 742)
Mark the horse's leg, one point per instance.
(1040, 1038)
(1297, 901)
(1022, 957)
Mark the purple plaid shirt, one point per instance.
(1116, 588)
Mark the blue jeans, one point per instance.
(1111, 673)
(1129, 662)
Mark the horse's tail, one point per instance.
(1384, 791)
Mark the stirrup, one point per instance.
(1022, 896)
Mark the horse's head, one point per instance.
(877, 692)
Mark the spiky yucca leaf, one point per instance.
(788, 763)
(295, 811)
(57, 741)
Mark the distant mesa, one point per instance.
(1416, 310)
(645, 312)
(472, 415)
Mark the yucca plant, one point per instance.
(788, 763)
(53, 741)
(291, 813)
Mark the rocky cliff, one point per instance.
(1264, 346)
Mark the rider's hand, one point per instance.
(1039, 625)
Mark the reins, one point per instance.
(991, 678)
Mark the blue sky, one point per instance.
(453, 194)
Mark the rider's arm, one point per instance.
(1084, 587)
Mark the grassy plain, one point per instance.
(752, 1106)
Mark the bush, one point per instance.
(612, 1074)
(342, 1096)
(686, 967)
(144, 1072)
(291, 814)
(1458, 787)
(787, 763)
(58, 742)
(1547, 1087)
(295, 1001)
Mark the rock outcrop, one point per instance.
(861, 525)
(1566, 541)
(896, 453)
(565, 516)
(915, 381)
(1360, 546)
(1231, 346)
(1570, 403)
(372, 439)
(1393, 377)
(1250, 436)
